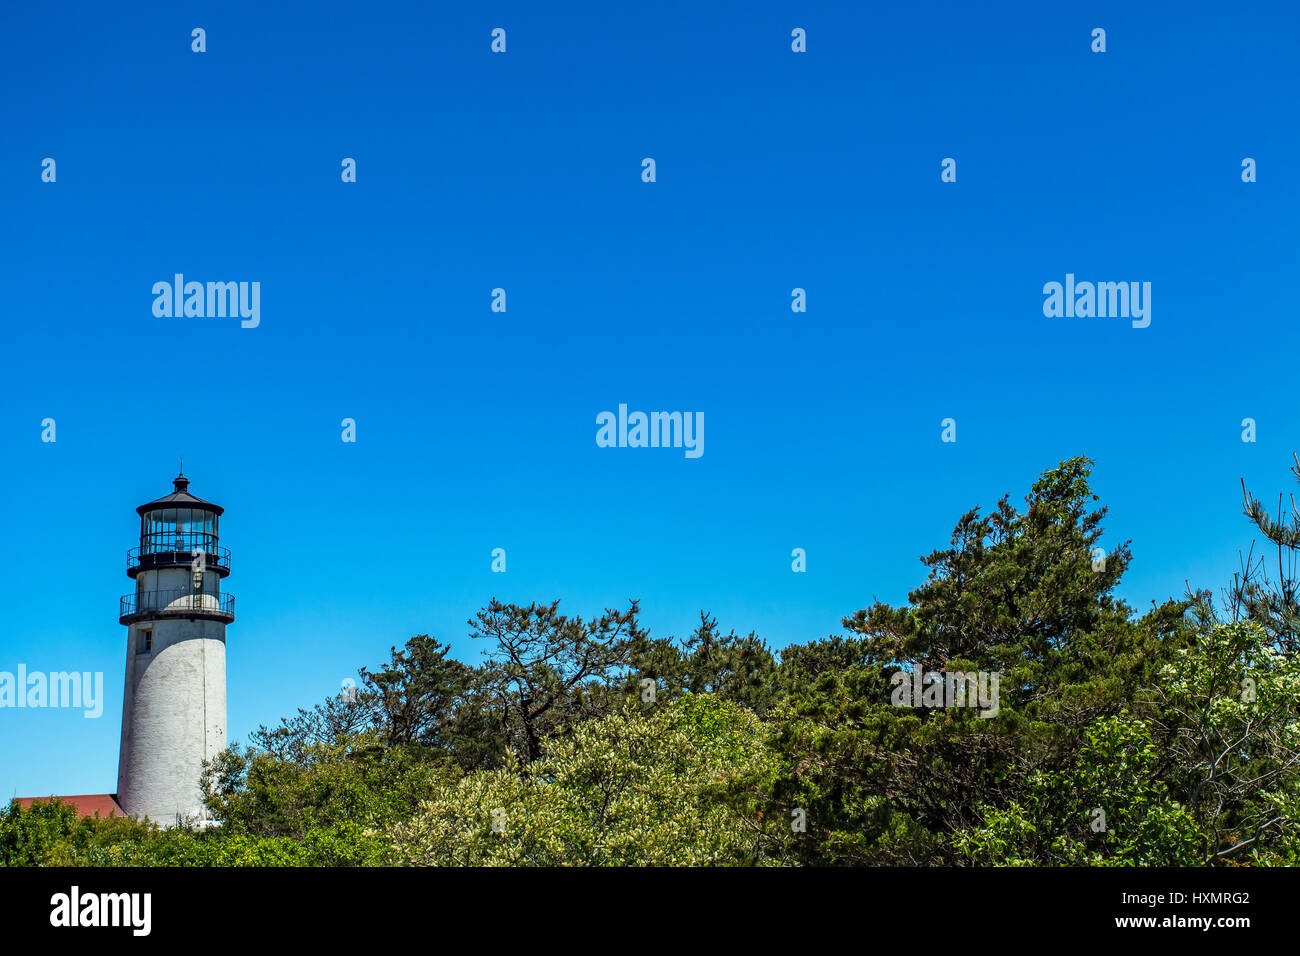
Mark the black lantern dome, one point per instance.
(180, 498)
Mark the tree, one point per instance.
(1226, 713)
(420, 699)
(1273, 601)
(547, 672)
(735, 668)
(1106, 806)
(1017, 593)
(340, 716)
(673, 787)
(417, 695)
(344, 794)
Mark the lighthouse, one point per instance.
(174, 704)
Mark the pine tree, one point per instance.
(1272, 599)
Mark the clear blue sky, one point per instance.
(476, 430)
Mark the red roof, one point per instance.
(86, 804)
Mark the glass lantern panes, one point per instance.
(178, 529)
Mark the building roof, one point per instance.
(86, 804)
(180, 498)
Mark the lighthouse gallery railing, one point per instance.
(180, 602)
(178, 551)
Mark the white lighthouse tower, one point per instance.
(174, 706)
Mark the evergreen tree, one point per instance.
(1268, 591)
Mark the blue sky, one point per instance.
(476, 430)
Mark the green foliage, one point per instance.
(51, 834)
(1104, 807)
(730, 667)
(1015, 593)
(673, 786)
(1272, 599)
(1227, 713)
(337, 798)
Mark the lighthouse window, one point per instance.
(179, 529)
(146, 641)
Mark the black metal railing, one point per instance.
(177, 602)
(213, 558)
